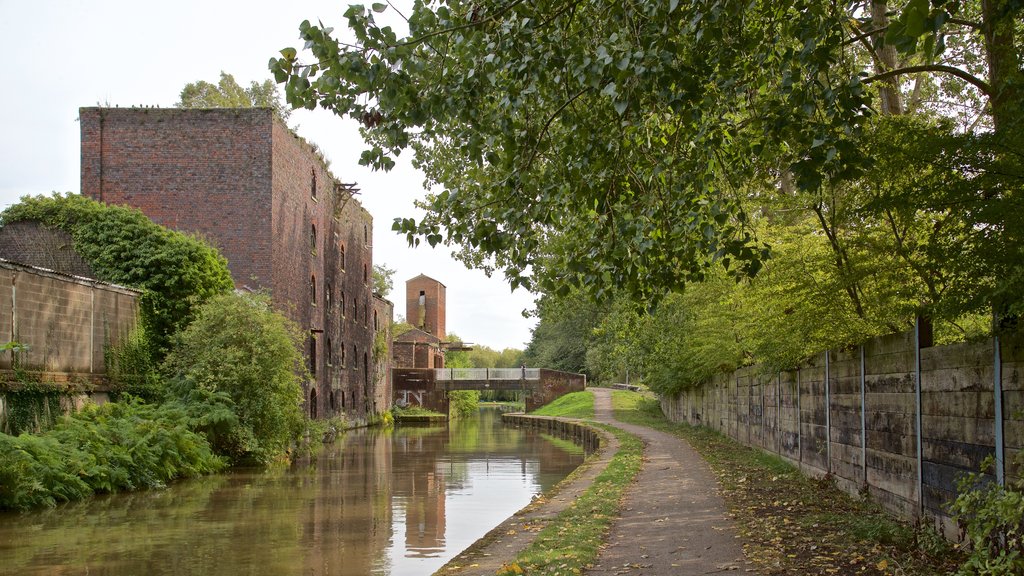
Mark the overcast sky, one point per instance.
(61, 55)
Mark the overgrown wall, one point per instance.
(859, 415)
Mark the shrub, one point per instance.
(176, 271)
(992, 517)
(118, 446)
(238, 345)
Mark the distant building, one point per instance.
(422, 346)
(265, 198)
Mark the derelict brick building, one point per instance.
(242, 180)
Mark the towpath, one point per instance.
(673, 520)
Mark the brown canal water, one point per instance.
(400, 502)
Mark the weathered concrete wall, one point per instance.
(856, 415)
(66, 322)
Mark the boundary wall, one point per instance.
(892, 419)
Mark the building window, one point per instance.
(312, 186)
(355, 357)
(366, 273)
(312, 357)
(312, 290)
(327, 297)
(366, 370)
(376, 323)
(342, 350)
(342, 299)
(355, 310)
(312, 239)
(341, 250)
(333, 407)
(329, 352)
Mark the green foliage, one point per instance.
(562, 334)
(31, 408)
(131, 368)
(572, 405)
(228, 94)
(238, 345)
(118, 446)
(992, 518)
(383, 280)
(176, 271)
(463, 403)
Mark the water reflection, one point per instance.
(394, 503)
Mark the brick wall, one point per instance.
(244, 181)
(201, 171)
(434, 312)
(854, 414)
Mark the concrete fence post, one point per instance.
(997, 389)
(828, 413)
(799, 423)
(917, 414)
(863, 419)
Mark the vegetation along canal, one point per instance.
(401, 501)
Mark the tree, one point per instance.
(228, 94)
(177, 272)
(615, 143)
(239, 345)
(383, 280)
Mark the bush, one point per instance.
(176, 271)
(118, 446)
(992, 517)
(463, 403)
(239, 346)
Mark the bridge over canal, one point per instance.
(427, 387)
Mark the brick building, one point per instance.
(265, 198)
(422, 346)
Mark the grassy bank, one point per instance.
(794, 524)
(572, 405)
(571, 542)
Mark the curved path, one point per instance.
(673, 521)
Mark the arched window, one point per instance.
(355, 357)
(366, 369)
(312, 185)
(312, 356)
(312, 403)
(341, 254)
(342, 349)
(333, 407)
(329, 352)
(312, 289)
(376, 323)
(342, 299)
(366, 273)
(312, 238)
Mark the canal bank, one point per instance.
(672, 519)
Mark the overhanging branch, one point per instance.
(970, 78)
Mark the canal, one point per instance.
(397, 502)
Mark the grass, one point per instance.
(414, 411)
(570, 544)
(793, 524)
(572, 405)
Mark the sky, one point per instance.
(62, 55)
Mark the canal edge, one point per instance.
(505, 541)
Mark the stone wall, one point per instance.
(859, 416)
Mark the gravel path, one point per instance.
(673, 521)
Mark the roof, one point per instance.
(417, 335)
(11, 265)
(425, 277)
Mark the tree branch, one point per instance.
(544, 131)
(967, 77)
(490, 18)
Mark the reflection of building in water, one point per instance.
(345, 532)
(419, 492)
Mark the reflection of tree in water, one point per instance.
(334, 515)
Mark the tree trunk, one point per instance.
(998, 28)
(889, 89)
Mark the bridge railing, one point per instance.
(445, 374)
